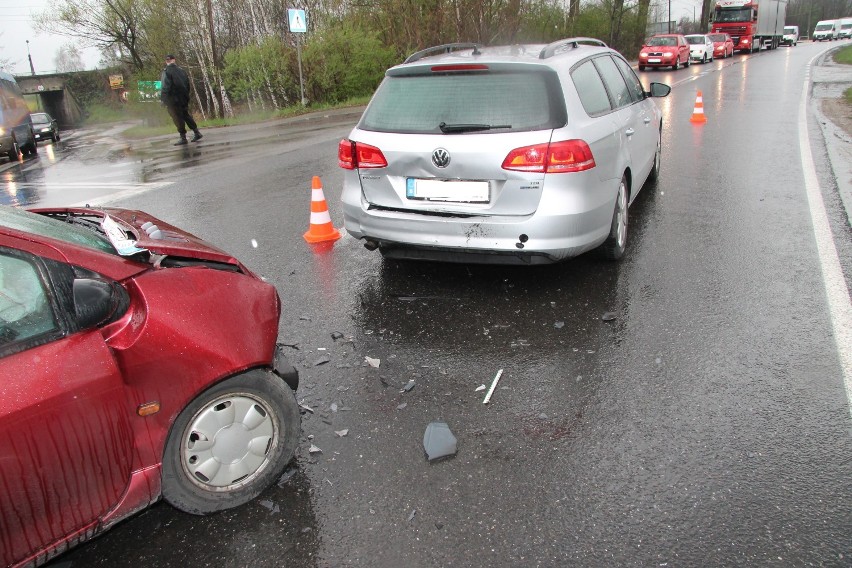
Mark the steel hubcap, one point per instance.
(228, 442)
(622, 215)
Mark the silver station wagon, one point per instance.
(524, 154)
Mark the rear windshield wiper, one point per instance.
(450, 128)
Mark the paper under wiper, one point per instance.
(118, 238)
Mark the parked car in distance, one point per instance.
(664, 50)
(791, 36)
(44, 126)
(16, 130)
(524, 154)
(723, 45)
(138, 361)
(700, 47)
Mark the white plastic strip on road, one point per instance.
(839, 305)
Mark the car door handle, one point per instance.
(630, 132)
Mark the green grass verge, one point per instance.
(847, 94)
(153, 120)
(844, 55)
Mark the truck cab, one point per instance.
(791, 36)
(826, 30)
(845, 31)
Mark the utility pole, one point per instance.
(670, 16)
(30, 57)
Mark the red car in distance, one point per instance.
(664, 50)
(723, 45)
(137, 361)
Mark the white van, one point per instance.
(845, 28)
(791, 35)
(826, 30)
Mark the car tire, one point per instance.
(615, 244)
(676, 66)
(249, 422)
(641, 68)
(658, 159)
(14, 153)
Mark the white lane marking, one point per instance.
(839, 305)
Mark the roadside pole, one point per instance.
(298, 25)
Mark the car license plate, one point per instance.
(654, 61)
(454, 191)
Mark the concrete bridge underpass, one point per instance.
(55, 98)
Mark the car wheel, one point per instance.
(658, 158)
(641, 68)
(230, 443)
(676, 66)
(615, 244)
(15, 151)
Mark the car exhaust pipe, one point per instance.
(371, 245)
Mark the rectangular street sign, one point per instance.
(298, 23)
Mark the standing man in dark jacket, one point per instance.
(175, 95)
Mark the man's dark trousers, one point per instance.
(180, 116)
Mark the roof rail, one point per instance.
(550, 49)
(446, 48)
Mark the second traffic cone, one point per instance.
(698, 113)
(321, 228)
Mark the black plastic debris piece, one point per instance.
(609, 316)
(408, 386)
(438, 441)
(321, 361)
(335, 335)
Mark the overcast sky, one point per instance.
(16, 27)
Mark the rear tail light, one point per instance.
(352, 155)
(553, 158)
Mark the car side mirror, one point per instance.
(97, 301)
(659, 90)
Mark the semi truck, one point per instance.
(752, 24)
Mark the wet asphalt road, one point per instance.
(706, 425)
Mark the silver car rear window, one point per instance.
(420, 103)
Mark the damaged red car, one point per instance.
(137, 362)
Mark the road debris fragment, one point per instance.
(314, 449)
(609, 316)
(438, 441)
(408, 386)
(493, 386)
(342, 433)
(374, 363)
(480, 388)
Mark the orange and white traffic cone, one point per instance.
(698, 113)
(321, 229)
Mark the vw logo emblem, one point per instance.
(441, 158)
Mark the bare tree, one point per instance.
(68, 58)
(101, 23)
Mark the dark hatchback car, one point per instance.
(45, 127)
(138, 362)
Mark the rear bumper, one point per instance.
(561, 228)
